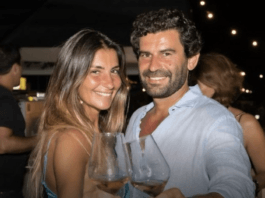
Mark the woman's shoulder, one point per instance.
(73, 139)
(248, 120)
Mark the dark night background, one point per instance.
(47, 23)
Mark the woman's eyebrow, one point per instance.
(97, 67)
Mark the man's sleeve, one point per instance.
(6, 113)
(227, 162)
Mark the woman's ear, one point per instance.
(192, 61)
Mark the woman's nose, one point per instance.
(108, 81)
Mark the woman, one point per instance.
(86, 94)
(220, 79)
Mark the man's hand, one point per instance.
(171, 193)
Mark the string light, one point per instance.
(242, 73)
(243, 89)
(257, 117)
(254, 43)
(233, 32)
(202, 3)
(260, 76)
(209, 15)
(143, 89)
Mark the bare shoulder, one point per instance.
(72, 141)
(69, 162)
(248, 120)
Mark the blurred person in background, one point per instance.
(220, 79)
(14, 146)
(87, 94)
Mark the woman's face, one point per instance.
(102, 81)
(207, 91)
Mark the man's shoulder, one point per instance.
(5, 94)
(211, 107)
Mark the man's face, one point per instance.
(18, 73)
(162, 63)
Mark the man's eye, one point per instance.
(166, 54)
(144, 55)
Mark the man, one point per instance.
(13, 143)
(199, 138)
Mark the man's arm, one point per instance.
(176, 193)
(9, 143)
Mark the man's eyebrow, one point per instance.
(168, 50)
(140, 52)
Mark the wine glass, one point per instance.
(149, 169)
(108, 163)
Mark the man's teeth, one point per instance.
(157, 78)
(104, 94)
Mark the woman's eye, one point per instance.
(116, 71)
(94, 71)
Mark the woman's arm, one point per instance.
(255, 145)
(69, 163)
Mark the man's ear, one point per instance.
(15, 68)
(192, 62)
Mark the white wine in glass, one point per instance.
(108, 163)
(149, 169)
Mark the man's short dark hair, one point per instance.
(9, 55)
(166, 19)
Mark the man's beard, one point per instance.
(174, 84)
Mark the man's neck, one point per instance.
(6, 81)
(161, 105)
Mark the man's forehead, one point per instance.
(163, 39)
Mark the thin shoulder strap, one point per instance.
(77, 139)
(46, 157)
(239, 116)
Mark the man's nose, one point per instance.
(154, 63)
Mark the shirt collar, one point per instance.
(188, 100)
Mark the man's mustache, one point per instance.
(157, 73)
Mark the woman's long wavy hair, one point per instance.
(62, 108)
(220, 73)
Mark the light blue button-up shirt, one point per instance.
(203, 145)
